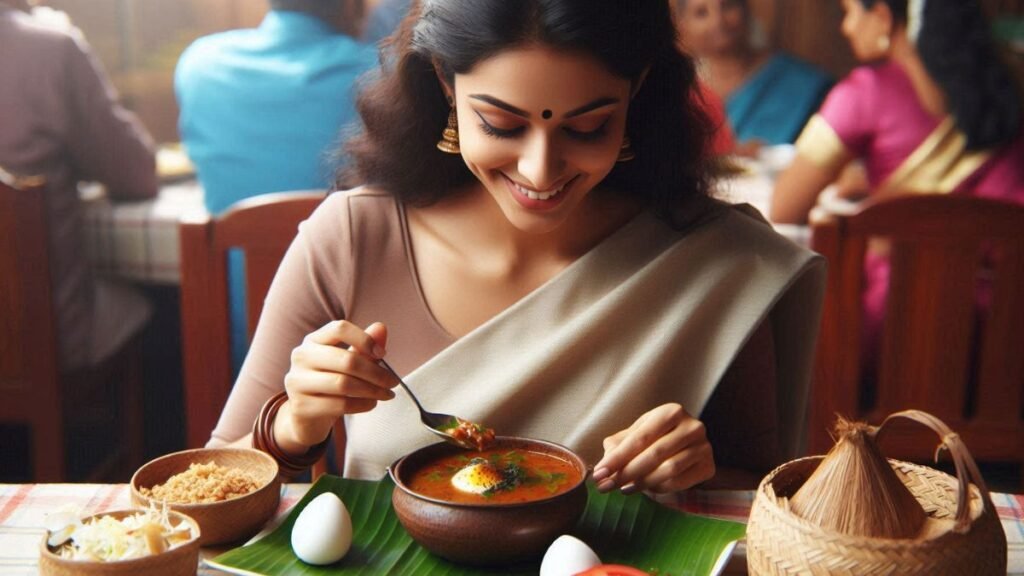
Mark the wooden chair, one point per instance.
(935, 355)
(262, 227)
(33, 393)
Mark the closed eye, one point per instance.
(496, 132)
(587, 135)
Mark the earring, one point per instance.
(626, 151)
(883, 43)
(449, 142)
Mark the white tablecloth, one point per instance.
(139, 240)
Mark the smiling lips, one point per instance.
(536, 194)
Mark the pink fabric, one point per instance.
(1002, 177)
(875, 113)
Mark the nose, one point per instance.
(541, 162)
(846, 26)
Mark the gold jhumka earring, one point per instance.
(449, 142)
(626, 151)
(883, 43)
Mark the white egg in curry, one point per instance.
(477, 477)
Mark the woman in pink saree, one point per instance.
(934, 111)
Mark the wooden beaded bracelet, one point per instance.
(263, 439)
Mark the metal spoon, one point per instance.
(436, 423)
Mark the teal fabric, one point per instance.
(776, 102)
(263, 110)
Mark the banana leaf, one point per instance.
(629, 530)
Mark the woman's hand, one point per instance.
(333, 372)
(665, 450)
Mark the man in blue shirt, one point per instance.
(264, 110)
(384, 19)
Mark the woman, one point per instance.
(534, 248)
(934, 111)
(768, 96)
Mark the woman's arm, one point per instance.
(667, 449)
(797, 189)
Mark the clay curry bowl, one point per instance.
(502, 525)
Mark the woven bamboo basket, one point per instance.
(963, 534)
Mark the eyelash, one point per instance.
(592, 136)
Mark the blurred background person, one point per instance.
(261, 110)
(934, 110)
(61, 119)
(384, 18)
(768, 95)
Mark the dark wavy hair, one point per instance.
(404, 110)
(960, 55)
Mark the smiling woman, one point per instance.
(532, 243)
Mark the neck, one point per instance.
(473, 223)
(725, 72)
(929, 94)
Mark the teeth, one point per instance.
(533, 195)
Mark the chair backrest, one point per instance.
(941, 349)
(29, 379)
(262, 227)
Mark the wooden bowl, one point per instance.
(486, 533)
(181, 560)
(225, 521)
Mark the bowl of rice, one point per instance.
(230, 492)
(153, 541)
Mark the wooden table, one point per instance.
(23, 510)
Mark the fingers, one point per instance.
(332, 384)
(379, 333)
(342, 366)
(647, 429)
(345, 332)
(666, 449)
(686, 469)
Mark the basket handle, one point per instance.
(966, 468)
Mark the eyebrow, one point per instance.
(599, 103)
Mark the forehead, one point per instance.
(537, 77)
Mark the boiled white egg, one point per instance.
(478, 477)
(322, 533)
(567, 556)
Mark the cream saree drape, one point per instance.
(649, 316)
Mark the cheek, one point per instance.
(485, 152)
(595, 160)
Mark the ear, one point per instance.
(449, 91)
(883, 16)
(639, 82)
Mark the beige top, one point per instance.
(649, 316)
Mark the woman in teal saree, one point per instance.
(768, 95)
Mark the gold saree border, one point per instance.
(939, 165)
